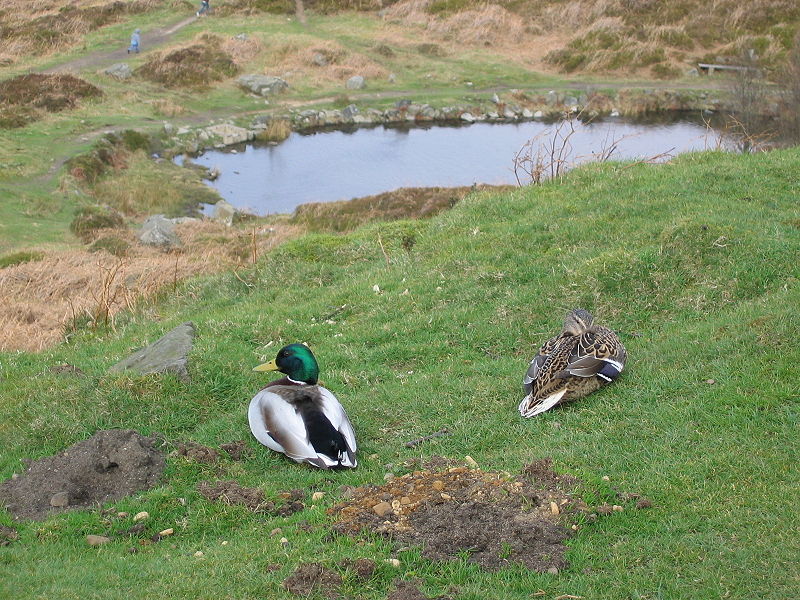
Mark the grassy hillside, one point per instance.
(693, 262)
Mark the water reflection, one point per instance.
(339, 165)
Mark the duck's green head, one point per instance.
(296, 361)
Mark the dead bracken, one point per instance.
(498, 519)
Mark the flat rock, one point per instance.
(263, 85)
(169, 354)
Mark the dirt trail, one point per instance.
(100, 60)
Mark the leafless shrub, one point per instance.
(547, 155)
(736, 136)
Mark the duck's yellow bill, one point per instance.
(267, 366)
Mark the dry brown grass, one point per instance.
(46, 27)
(652, 38)
(295, 55)
(242, 51)
(39, 299)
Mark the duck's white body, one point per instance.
(293, 419)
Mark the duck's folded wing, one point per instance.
(589, 366)
(276, 424)
(538, 362)
(335, 413)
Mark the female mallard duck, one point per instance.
(575, 363)
(299, 418)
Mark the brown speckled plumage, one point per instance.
(581, 359)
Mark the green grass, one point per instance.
(694, 262)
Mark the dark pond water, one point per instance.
(340, 165)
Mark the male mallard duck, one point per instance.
(299, 418)
(580, 360)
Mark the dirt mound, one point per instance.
(496, 518)
(110, 465)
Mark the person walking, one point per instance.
(135, 38)
(204, 7)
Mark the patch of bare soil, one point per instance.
(313, 577)
(110, 465)
(405, 589)
(233, 493)
(496, 518)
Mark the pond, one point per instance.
(339, 165)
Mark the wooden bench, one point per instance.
(709, 68)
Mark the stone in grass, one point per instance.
(356, 82)
(120, 71)
(263, 85)
(97, 540)
(170, 354)
(224, 212)
(157, 230)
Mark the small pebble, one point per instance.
(471, 461)
(617, 508)
(554, 509)
(553, 570)
(166, 532)
(317, 496)
(224, 542)
(606, 478)
(97, 540)
(392, 561)
(284, 542)
(574, 528)
(276, 531)
(61, 499)
(141, 516)
(199, 554)
(382, 509)
(710, 381)
(446, 496)
(438, 485)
